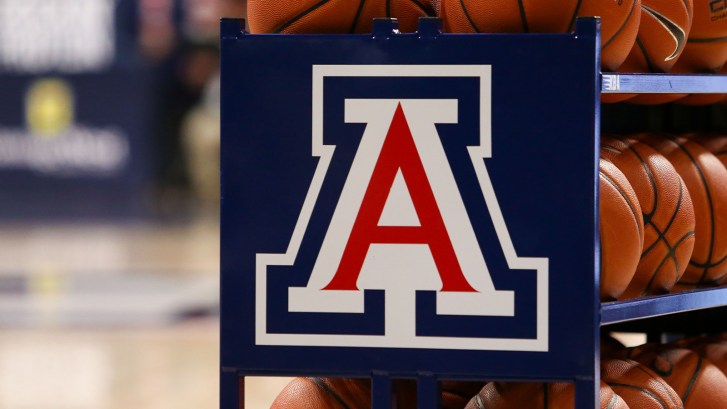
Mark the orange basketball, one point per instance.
(667, 210)
(706, 49)
(530, 395)
(663, 33)
(639, 386)
(324, 393)
(508, 16)
(706, 179)
(329, 16)
(712, 348)
(619, 20)
(335, 393)
(619, 27)
(717, 144)
(701, 99)
(456, 394)
(622, 231)
(698, 382)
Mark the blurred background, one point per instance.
(109, 204)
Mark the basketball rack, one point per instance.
(516, 125)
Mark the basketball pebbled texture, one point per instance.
(530, 395)
(663, 33)
(706, 179)
(621, 229)
(668, 214)
(332, 16)
(508, 16)
(717, 144)
(639, 386)
(698, 382)
(619, 27)
(713, 349)
(706, 49)
(324, 393)
(619, 20)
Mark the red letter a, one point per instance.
(399, 152)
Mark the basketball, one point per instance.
(530, 395)
(324, 393)
(639, 386)
(698, 382)
(667, 211)
(701, 99)
(717, 144)
(706, 179)
(619, 28)
(706, 49)
(663, 33)
(337, 393)
(711, 348)
(621, 228)
(326, 16)
(619, 20)
(508, 16)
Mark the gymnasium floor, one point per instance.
(108, 316)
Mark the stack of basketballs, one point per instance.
(661, 36)
(663, 210)
(636, 35)
(686, 374)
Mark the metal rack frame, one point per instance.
(287, 153)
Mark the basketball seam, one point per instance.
(300, 16)
(575, 14)
(469, 18)
(623, 195)
(643, 390)
(660, 382)
(662, 237)
(523, 17)
(323, 385)
(545, 396)
(710, 265)
(620, 29)
(423, 7)
(357, 16)
(388, 8)
(706, 40)
(709, 201)
(652, 182)
(692, 381)
(670, 254)
(645, 53)
(610, 148)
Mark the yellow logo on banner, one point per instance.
(49, 107)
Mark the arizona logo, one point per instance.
(400, 240)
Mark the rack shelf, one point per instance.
(615, 83)
(649, 307)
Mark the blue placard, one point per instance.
(410, 203)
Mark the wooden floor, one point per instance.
(164, 366)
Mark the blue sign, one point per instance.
(410, 203)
